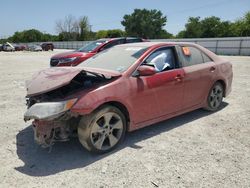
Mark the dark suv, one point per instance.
(46, 46)
(76, 57)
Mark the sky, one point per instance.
(18, 15)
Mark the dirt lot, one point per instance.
(198, 149)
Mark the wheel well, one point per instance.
(121, 107)
(224, 86)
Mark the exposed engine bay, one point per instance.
(53, 120)
(81, 81)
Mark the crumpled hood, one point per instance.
(53, 78)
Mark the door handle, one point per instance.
(178, 78)
(212, 69)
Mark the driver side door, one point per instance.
(159, 94)
(168, 81)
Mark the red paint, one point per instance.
(148, 99)
(82, 56)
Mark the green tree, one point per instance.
(110, 33)
(226, 30)
(115, 33)
(165, 35)
(31, 35)
(193, 28)
(207, 28)
(18, 37)
(68, 36)
(101, 34)
(241, 27)
(144, 23)
(246, 25)
(211, 27)
(181, 34)
(84, 28)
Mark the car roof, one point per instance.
(117, 38)
(161, 44)
(151, 44)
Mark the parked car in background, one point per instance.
(46, 46)
(124, 88)
(34, 47)
(19, 47)
(1, 47)
(78, 56)
(8, 47)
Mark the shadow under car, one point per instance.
(71, 154)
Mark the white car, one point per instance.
(8, 47)
(34, 47)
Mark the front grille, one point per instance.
(54, 62)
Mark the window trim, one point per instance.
(203, 54)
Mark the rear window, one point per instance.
(192, 56)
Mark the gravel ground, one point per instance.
(198, 149)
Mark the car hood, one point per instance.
(53, 78)
(71, 54)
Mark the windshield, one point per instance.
(118, 58)
(91, 46)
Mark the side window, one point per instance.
(191, 56)
(162, 59)
(206, 58)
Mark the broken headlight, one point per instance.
(47, 110)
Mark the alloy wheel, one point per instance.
(106, 131)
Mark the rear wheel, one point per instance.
(215, 97)
(103, 130)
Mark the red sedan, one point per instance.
(124, 88)
(76, 57)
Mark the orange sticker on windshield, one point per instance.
(186, 51)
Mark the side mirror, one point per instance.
(145, 70)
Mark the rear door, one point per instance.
(199, 71)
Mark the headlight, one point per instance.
(47, 110)
(67, 60)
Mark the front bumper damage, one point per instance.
(52, 121)
(46, 133)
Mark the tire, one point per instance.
(215, 97)
(102, 130)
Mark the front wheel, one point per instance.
(215, 97)
(103, 130)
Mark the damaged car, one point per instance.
(122, 89)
